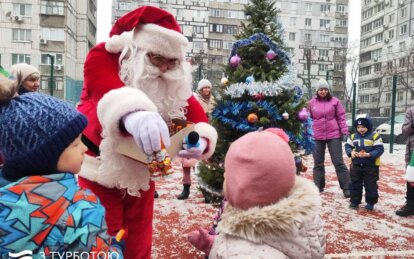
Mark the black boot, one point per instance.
(347, 194)
(186, 192)
(407, 210)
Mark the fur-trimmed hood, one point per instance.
(259, 224)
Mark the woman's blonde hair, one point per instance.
(8, 89)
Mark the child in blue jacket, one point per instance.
(365, 148)
(43, 212)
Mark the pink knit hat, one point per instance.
(259, 169)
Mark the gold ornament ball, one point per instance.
(252, 118)
(224, 81)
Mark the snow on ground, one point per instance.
(350, 233)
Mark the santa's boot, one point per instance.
(186, 192)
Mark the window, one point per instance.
(391, 18)
(308, 36)
(323, 53)
(403, 12)
(324, 23)
(400, 95)
(364, 99)
(198, 29)
(401, 62)
(339, 67)
(389, 65)
(388, 97)
(403, 29)
(230, 29)
(227, 44)
(292, 36)
(21, 35)
(325, 8)
(52, 7)
(389, 49)
(45, 83)
(216, 27)
(197, 13)
(215, 44)
(378, 37)
(377, 67)
(308, 7)
(20, 58)
(402, 46)
(22, 9)
(292, 21)
(180, 12)
(323, 67)
(308, 22)
(198, 45)
(340, 8)
(377, 53)
(53, 34)
(92, 28)
(341, 23)
(324, 38)
(45, 60)
(92, 8)
(391, 34)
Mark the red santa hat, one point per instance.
(158, 32)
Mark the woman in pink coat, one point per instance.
(329, 125)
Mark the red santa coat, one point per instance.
(104, 101)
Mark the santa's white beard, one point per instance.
(169, 91)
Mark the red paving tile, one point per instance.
(350, 233)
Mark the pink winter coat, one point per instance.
(328, 118)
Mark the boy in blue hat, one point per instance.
(42, 210)
(365, 148)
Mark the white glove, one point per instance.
(147, 128)
(194, 152)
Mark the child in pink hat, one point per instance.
(270, 212)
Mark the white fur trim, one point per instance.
(162, 41)
(116, 43)
(114, 169)
(207, 131)
(301, 205)
(409, 174)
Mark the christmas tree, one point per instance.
(260, 93)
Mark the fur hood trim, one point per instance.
(258, 224)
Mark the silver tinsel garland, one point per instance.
(288, 80)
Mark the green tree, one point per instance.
(260, 94)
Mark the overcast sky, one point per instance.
(104, 19)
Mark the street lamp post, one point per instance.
(51, 79)
(353, 104)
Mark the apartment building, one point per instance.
(386, 50)
(37, 32)
(316, 33)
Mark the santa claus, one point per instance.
(135, 84)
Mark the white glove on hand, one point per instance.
(194, 152)
(147, 128)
